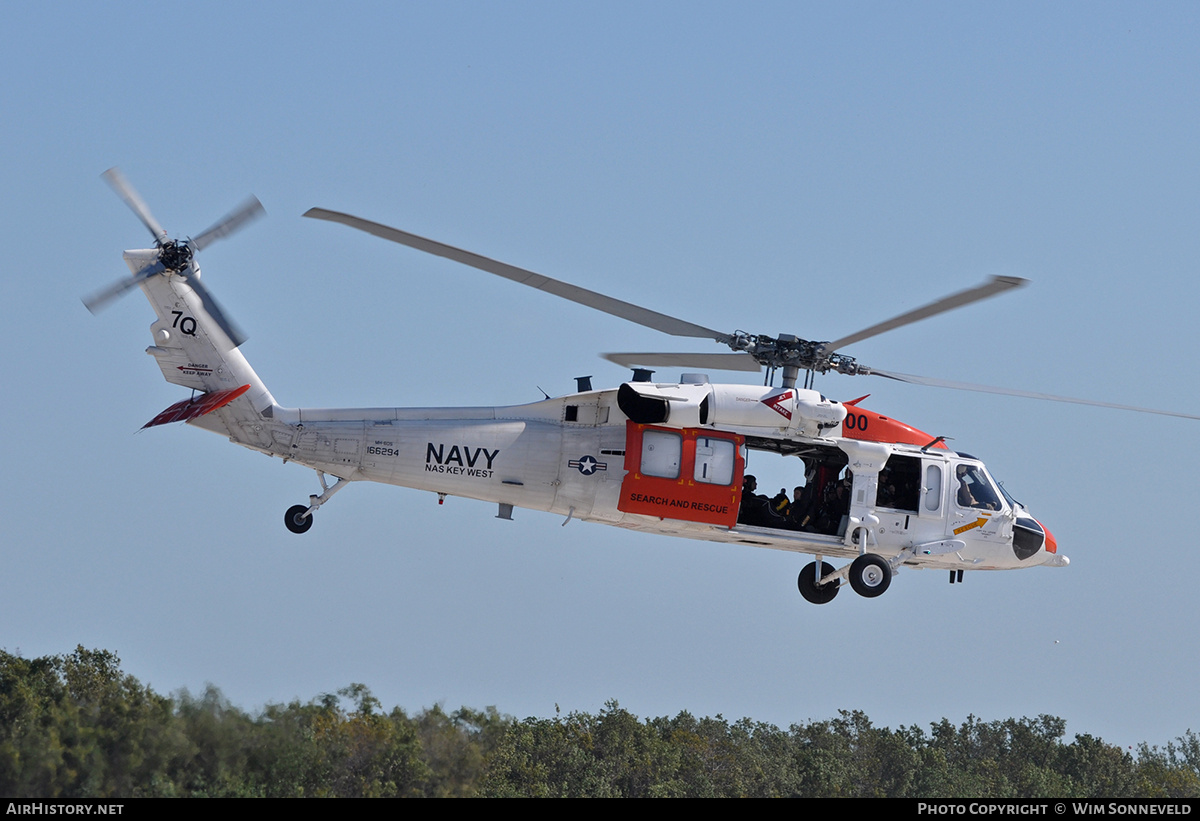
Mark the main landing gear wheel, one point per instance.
(809, 589)
(295, 519)
(870, 575)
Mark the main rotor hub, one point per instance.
(787, 351)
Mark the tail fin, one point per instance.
(193, 351)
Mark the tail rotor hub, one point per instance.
(175, 255)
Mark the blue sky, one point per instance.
(799, 168)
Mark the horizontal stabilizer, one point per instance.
(196, 406)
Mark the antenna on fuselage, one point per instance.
(935, 442)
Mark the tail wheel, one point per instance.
(810, 590)
(870, 575)
(295, 519)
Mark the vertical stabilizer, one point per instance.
(194, 351)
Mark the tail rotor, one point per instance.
(175, 256)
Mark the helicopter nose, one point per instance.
(1051, 542)
(1030, 537)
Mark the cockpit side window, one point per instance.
(975, 489)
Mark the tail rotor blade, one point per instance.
(248, 211)
(213, 308)
(117, 181)
(100, 300)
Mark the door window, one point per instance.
(661, 453)
(714, 461)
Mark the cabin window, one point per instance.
(661, 452)
(933, 487)
(714, 461)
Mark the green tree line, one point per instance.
(77, 726)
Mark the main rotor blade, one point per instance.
(100, 299)
(607, 304)
(116, 179)
(997, 285)
(967, 386)
(713, 361)
(213, 308)
(249, 210)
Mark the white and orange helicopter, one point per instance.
(669, 458)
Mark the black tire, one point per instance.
(808, 583)
(295, 519)
(870, 575)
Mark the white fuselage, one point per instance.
(661, 458)
(529, 456)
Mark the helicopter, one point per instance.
(670, 458)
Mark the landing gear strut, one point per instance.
(813, 592)
(869, 575)
(299, 518)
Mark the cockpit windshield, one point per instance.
(1013, 503)
(975, 488)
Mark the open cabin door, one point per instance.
(689, 474)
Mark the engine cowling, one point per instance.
(739, 407)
